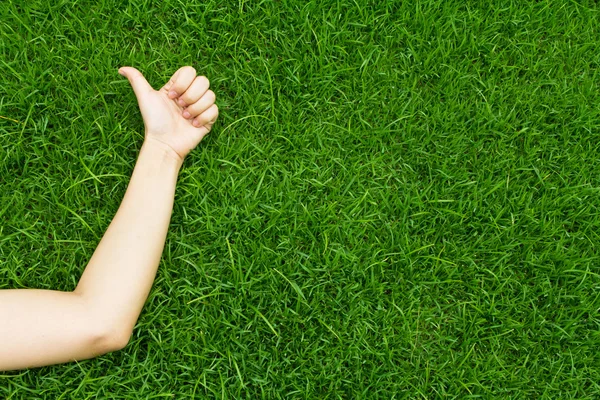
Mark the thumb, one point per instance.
(140, 85)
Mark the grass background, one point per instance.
(400, 199)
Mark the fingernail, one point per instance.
(181, 102)
(172, 94)
(186, 114)
(196, 123)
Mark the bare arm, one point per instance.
(41, 327)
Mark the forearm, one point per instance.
(42, 327)
(118, 278)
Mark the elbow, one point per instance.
(108, 338)
(102, 331)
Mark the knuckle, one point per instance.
(203, 81)
(211, 96)
(190, 70)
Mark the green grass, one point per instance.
(401, 199)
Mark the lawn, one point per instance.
(400, 199)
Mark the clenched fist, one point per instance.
(179, 114)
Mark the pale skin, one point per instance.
(44, 327)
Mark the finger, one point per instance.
(196, 90)
(168, 85)
(207, 118)
(140, 85)
(200, 106)
(180, 81)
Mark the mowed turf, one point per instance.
(400, 199)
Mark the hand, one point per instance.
(178, 115)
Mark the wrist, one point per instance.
(161, 153)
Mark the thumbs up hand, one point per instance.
(178, 115)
